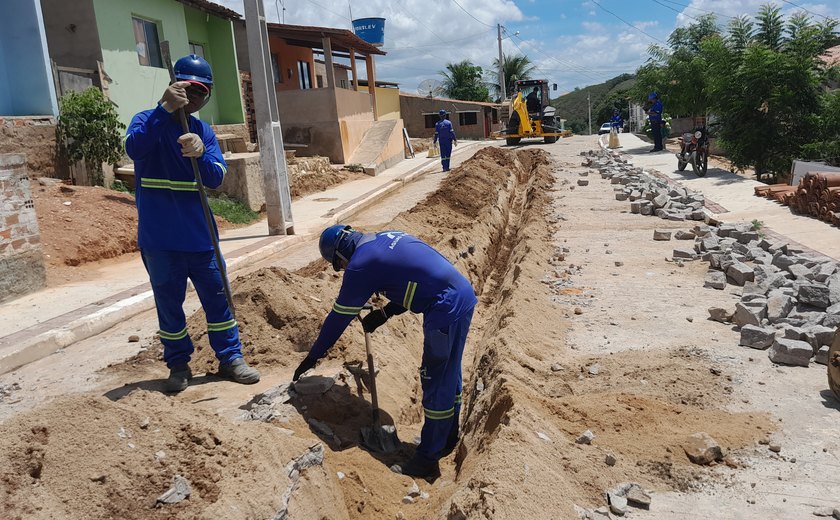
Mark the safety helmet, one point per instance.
(334, 243)
(652, 96)
(193, 68)
(442, 112)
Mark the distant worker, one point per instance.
(655, 118)
(616, 121)
(445, 134)
(533, 102)
(414, 277)
(172, 231)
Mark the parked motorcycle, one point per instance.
(694, 150)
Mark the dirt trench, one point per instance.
(518, 457)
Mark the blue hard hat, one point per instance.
(334, 244)
(652, 96)
(442, 112)
(193, 68)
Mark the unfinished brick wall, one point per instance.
(34, 137)
(21, 256)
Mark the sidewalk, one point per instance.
(736, 199)
(39, 323)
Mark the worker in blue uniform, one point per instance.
(445, 135)
(616, 122)
(172, 231)
(655, 118)
(414, 277)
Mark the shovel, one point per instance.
(376, 437)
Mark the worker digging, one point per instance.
(413, 276)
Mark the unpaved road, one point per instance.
(663, 372)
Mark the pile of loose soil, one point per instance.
(313, 182)
(90, 457)
(81, 224)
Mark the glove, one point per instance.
(175, 96)
(191, 145)
(374, 319)
(454, 143)
(307, 364)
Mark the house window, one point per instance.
(148, 43)
(467, 118)
(303, 75)
(319, 80)
(431, 119)
(197, 49)
(275, 69)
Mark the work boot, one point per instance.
(179, 378)
(239, 371)
(420, 467)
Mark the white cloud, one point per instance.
(726, 8)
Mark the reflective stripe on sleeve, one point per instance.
(166, 184)
(410, 289)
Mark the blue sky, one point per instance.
(573, 42)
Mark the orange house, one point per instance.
(326, 119)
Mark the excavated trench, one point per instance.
(517, 457)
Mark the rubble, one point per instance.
(702, 449)
(179, 491)
(585, 438)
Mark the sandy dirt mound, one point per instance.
(83, 458)
(82, 224)
(308, 183)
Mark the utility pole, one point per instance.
(501, 65)
(629, 117)
(589, 104)
(278, 201)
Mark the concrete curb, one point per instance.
(45, 343)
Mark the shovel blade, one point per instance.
(381, 439)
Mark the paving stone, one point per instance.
(621, 196)
(661, 200)
(831, 321)
(834, 288)
(790, 352)
(740, 273)
(583, 182)
(710, 243)
(757, 337)
(635, 207)
(782, 261)
(720, 314)
(702, 449)
(800, 272)
(684, 253)
(818, 336)
(778, 306)
(313, 385)
(791, 332)
(822, 355)
(747, 237)
(750, 313)
(715, 280)
(684, 235)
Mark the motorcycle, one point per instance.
(694, 150)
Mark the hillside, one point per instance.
(573, 107)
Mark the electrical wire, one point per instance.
(807, 10)
(699, 9)
(569, 65)
(470, 14)
(675, 10)
(628, 23)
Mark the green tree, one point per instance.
(463, 80)
(89, 128)
(514, 67)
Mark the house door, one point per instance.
(488, 123)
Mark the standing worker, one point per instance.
(655, 118)
(616, 122)
(415, 277)
(172, 232)
(446, 135)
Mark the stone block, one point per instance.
(740, 273)
(750, 313)
(684, 254)
(684, 235)
(800, 272)
(720, 314)
(790, 352)
(818, 336)
(816, 295)
(747, 237)
(715, 280)
(822, 355)
(778, 306)
(661, 201)
(757, 337)
(791, 332)
(661, 235)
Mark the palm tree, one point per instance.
(463, 80)
(514, 67)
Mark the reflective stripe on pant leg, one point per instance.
(222, 329)
(438, 393)
(445, 153)
(168, 277)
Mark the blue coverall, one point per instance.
(172, 232)
(655, 117)
(616, 122)
(413, 276)
(445, 134)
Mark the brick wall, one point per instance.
(33, 137)
(21, 257)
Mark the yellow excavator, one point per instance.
(530, 115)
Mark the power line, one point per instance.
(806, 10)
(698, 9)
(470, 14)
(628, 23)
(675, 10)
(577, 68)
